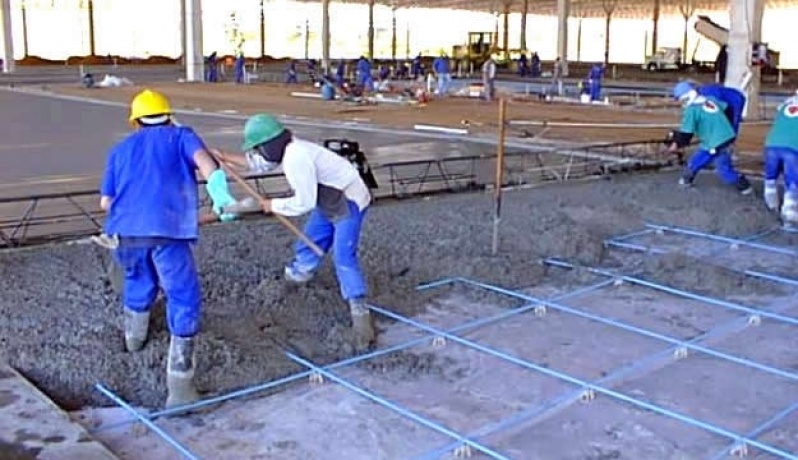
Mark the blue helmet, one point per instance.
(682, 88)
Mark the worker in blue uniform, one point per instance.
(290, 73)
(704, 117)
(212, 70)
(594, 78)
(240, 68)
(149, 190)
(781, 158)
(364, 77)
(340, 73)
(443, 74)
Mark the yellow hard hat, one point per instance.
(149, 103)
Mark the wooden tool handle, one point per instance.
(254, 193)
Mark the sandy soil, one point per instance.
(450, 112)
(61, 319)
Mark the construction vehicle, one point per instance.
(664, 59)
(761, 55)
(476, 51)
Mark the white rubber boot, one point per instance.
(771, 195)
(362, 324)
(789, 211)
(180, 372)
(137, 326)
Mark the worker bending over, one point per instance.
(704, 118)
(328, 187)
(781, 156)
(149, 190)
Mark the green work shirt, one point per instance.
(784, 131)
(705, 119)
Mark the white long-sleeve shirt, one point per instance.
(307, 165)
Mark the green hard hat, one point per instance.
(259, 129)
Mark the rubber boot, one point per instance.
(743, 186)
(687, 179)
(362, 324)
(180, 372)
(137, 325)
(789, 212)
(771, 195)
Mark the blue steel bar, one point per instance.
(756, 432)
(752, 273)
(354, 360)
(637, 330)
(143, 419)
(532, 414)
(397, 408)
(678, 292)
(636, 234)
(587, 385)
(724, 239)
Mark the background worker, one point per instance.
(328, 187)
(149, 190)
(781, 156)
(443, 74)
(704, 118)
(489, 78)
(594, 77)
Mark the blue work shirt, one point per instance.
(596, 73)
(734, 99)
(364, 66)
(151, 180)
(440, 65)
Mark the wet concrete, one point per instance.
(60, 319)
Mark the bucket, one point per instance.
(327, 92)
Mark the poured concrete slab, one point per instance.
(32, 427)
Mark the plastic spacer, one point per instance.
(734, 246)
(618, 281)
(680, 353)
(438, 341)
(754, 320)
(463, 451)
(587, 395)
(316, 378)
(540, 310)
(659, 231)
(740, 450)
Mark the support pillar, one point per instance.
(524, 14)
(8, 40)
(195, 65)
(407, 40)
(687, 9)
(506, 33)
(745, 31)
(609, 8)
(495, 42)
(393, 33)
(655, 28)
(183, 46)
(262, 30)
(92, 41)
(325, 36)
(25, 41)
(563, 11)
(371, 30)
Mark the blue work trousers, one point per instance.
(444, 82)
(365, 80)
(343, 237)
(782, 160)
(170, 266)
(724, 166)
(595, 90)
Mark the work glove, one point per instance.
(220, 195)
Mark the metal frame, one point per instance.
(44, 220)
(585, 390)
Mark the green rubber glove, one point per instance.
(219, 192)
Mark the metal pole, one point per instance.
(92, 42)
(497, 192)
(262, 30)
(25, 52)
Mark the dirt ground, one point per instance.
(450, 112)
(61, 319)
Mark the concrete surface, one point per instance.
(33, 428)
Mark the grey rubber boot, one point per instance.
(137, 326)
(771, 195)
(362, 324)
(180, 372)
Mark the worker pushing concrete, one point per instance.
(328, 187)
(149, 190)
(781, 157)
(704, 117)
